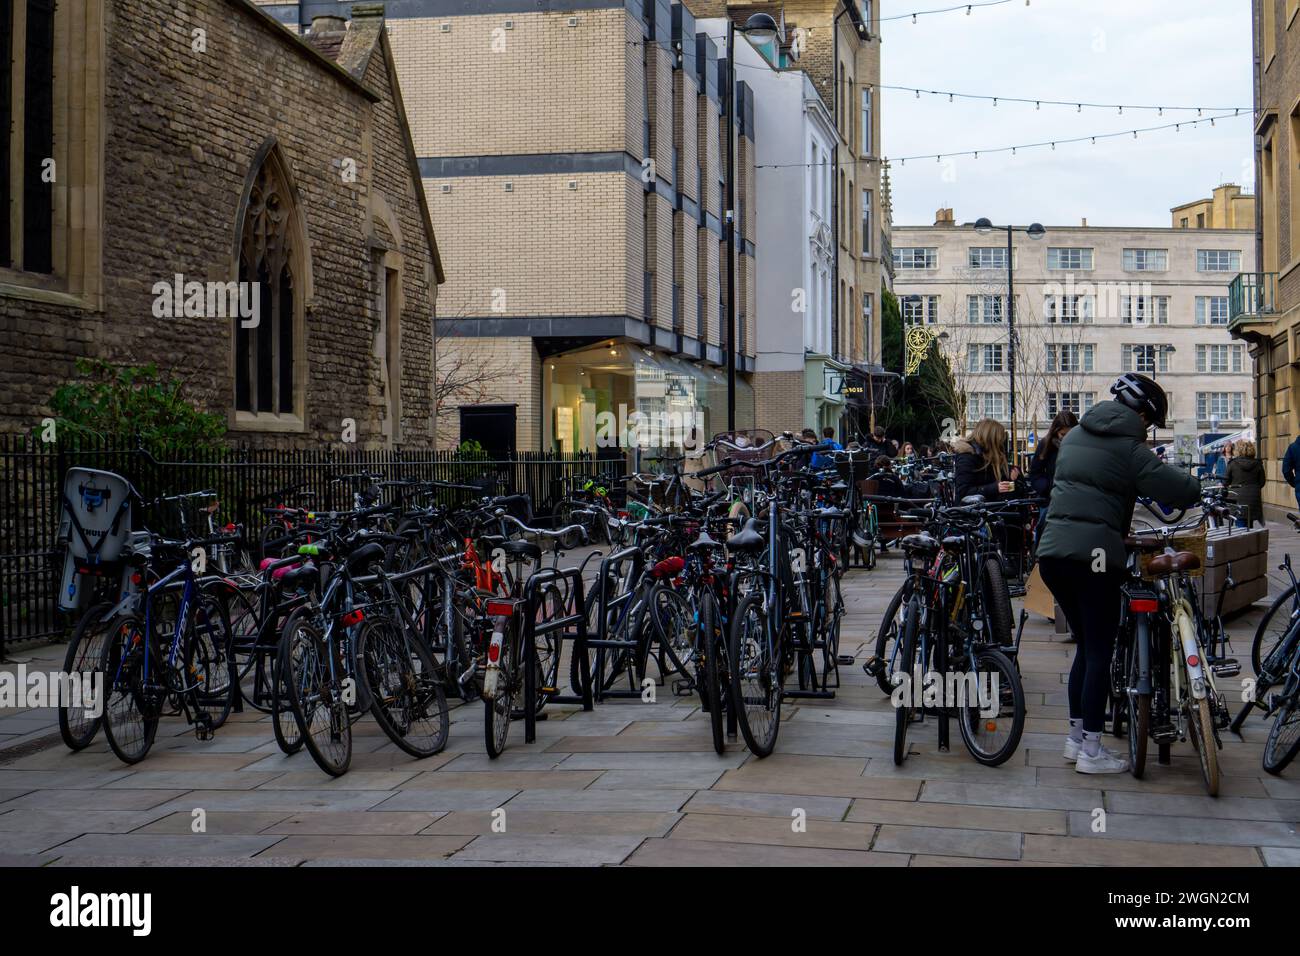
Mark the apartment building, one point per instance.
(573, 158)
(1090, 302)
(1263, 311)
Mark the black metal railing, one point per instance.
(32, 471)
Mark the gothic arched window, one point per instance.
(269, 353)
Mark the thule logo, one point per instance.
(77, 909)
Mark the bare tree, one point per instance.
(467, 371)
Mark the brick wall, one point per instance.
(185, 127)
(779, 401)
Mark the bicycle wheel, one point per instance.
(1283, 737)
(997, 601)
(674, 628)
(274, 531)
(500, 706)
(317, 698)
(992, 729)
(833, 609)
(1200, 724)
(1139, 705)
(755, 663)
(714, 669)
(131, 708)
(548, 648)
(1273, 627)
(908, 657)
(84, 659)
(406, 699)
(288, 735)
(887, 640)
(209, 667)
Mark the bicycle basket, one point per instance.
(1193, 541)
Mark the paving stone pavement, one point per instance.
(638, 784)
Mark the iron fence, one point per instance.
(31, 477)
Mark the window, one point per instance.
(985, 358)
(984, 309)
(868, 316)
(270, 358)
(987, 257)
(1147, 359)
(866, 122)
(911, 257)
(1146, 260)
(1143, 309)
(1221, 406)
(1077, 402)
(987, 405)
(1218, 260)
(1071, 357)
(1211, 310)
(1068, 309)
(28, 119)
(1069, 259)
(1268, 27)
(1218, 358)
(1184, 222)
(6, 122)
(920, 309)
(866, 222)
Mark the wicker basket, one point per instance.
(1193, 541)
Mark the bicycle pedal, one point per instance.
(683, 688)
(1226, 668)
(548, 690)
(1164, 734)
(844, 660)
(873, 666)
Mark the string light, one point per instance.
(1039, 101)
(961, 6)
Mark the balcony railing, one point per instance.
(1252, 297)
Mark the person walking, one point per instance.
(1042, 469)
(1245, 479)
(1101, 468)
(1290, 463)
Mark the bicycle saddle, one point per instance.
(954, 541)
(920, 542)
(704, 542)
(1163, 564)
(301, 577)
(748, 539)
(358, 559)
(526, 550)
(973, 500)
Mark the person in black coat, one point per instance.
(1042, 470)
(980, 466)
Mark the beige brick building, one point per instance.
(1265, 304)
(206, 142)
(572, 155)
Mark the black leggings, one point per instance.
(1091, 602)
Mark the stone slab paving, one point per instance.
(637, 784)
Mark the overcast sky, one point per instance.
(1169, 52)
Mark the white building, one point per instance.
(1090, 303)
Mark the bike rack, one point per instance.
(604, 604)
(560, 626)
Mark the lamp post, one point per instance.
(760, 28)
(1035, 231)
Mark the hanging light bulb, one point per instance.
(1094, 141)
(1162, 111)
(995, 101)
(1078, 107)
(914, 18)
(1121, 111)
(967, 11)
(949, 97)
(977, 155)
(1037, 105)
(918, 94)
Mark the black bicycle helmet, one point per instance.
(1142, 395)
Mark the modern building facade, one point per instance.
(274, 251)
(1090, 303)
(1264, 311)
(573, 155)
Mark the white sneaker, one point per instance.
(1072, 748)
(1104, 762)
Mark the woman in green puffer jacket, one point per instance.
(1102, 467)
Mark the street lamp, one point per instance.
(1034, 231)
(761, 28)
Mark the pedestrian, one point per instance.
(1290, 463)
(907, 452)
(981, 465)
(1245, 479)
(822, 459)
(1102, 466)
(1042, 468)
(887, 483)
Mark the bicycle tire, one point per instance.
(890, 628)
(499, 708)
(129, 737)
(206, 653)
(549, 647)
(755, 671)
(406, 698)
(284, 725)
(1139, 705)
(1011, 695)
(1283, 741)
(671, 617)
(84, 657)
(1200, 728)
(997, 601)
(1258, 652)
(714, 669)
(904, 713)
(316, 702)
